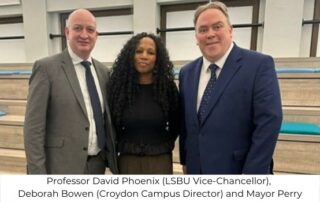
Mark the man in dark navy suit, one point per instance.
(231, 102)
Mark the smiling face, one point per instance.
(213, 34)
(81, 33)
(145, 58)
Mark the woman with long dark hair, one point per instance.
(144, 106)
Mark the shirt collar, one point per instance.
(220, 62)
(76, 59)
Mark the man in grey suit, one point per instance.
(62, 133)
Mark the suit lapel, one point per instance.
(101, 77)
(70, 72)
(195, 72)
(231, 66)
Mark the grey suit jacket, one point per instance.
(56, 127)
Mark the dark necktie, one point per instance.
(95, 104)
(207, 93)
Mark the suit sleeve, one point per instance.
(267, 118)
(111, 133)
(35, 120)
(182, 148)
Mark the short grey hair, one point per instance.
(211, 5)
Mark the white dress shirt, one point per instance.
(93, 147)
(205, 73)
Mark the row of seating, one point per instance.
(15, 72)
(279, 70)
(297, 151)
(13, 93)
(298, 146)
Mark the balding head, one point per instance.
(78, 13)
(81, 32)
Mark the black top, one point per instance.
(145, 130)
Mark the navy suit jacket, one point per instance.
(241, 126)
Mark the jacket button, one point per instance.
(85, 148)
(87, 128)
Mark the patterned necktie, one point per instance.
(96, 105)
(207, 93)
